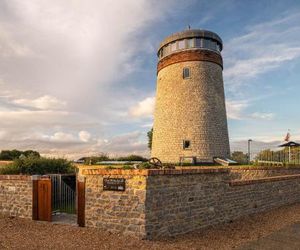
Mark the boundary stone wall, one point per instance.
(248, 173)
(16, 196)
(159, 203)
(116, 211)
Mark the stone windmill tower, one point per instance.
(190, 121)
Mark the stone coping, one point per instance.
(263, 180)
(16, 177)
(232, 168)
(151, 172)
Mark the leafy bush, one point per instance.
(132, 158)
(239, 157)
(94, 159)
(9, 169)
(110, 167)
(38, 165)
(128, 167)
(145, 165)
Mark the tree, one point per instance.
(10, 155)
(239, 157)
(150, 135)
(31, 153)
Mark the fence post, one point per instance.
(35, 179)
(81, 201)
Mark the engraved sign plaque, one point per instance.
(114, 184)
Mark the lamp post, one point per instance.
(249, 157)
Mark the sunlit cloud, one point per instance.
(144, 108)
(263, 48)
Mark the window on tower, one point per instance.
(181, 44)
(186, 73)
(173, 46)
(198, 43)
(190, 43)
(186, 144)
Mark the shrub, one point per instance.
(145, 165)
(132, 158)
(128, 167)
(38, 165)
(94, 159)
(110, 167)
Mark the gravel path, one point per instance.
(26, 234)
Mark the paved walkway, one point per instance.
(65, 219)
(287, 238)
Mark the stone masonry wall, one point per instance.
(116, 211)
(248, 173)
(16, 196)
(159, 203)
(191, 202)
(190, 109)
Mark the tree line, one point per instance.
(10, 155)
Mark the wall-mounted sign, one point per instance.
(114, 184)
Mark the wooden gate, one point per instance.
(81, 201)
(42, 209)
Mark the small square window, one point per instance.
(186, 144)
(186, 73)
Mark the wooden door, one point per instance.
(44, 209)
(81, 202)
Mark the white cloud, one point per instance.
(265, 47)
(143, 108)
(63, 68)
(262, 116)
(235, 109)
(10, 47)
(133, 142)
(77, 45)
(62, 137)
(84, 136)
(45, 102)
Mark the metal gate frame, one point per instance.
(63, 197)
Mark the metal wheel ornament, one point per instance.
(155, 162)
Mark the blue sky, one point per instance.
(79, 77)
